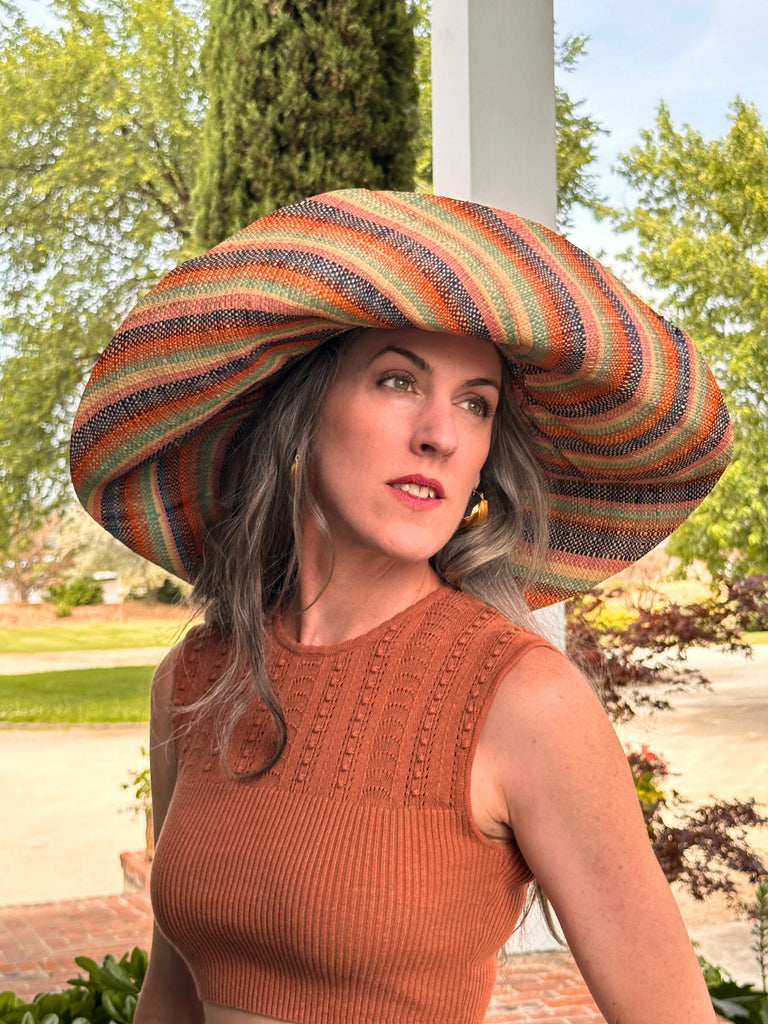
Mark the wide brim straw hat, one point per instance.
(627, 421)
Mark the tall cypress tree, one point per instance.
(304, 96)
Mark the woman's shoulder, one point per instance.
(543, 694)
(190, 665)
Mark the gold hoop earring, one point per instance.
(294, 470)
(477, 515)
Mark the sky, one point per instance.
(696, 55)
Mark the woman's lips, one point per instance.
(418, 491)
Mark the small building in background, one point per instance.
(110, 583)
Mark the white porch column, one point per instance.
(493, 127)
(493, 117)
(493, 104)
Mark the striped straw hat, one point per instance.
(628, 422)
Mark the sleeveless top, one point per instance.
(349, 884)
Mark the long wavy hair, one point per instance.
(251, 563)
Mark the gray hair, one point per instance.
(250, 567)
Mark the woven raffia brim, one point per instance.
(629, 424)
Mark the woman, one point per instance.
(374, 429)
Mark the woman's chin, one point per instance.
(404, 550)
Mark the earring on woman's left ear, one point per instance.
(477, 515)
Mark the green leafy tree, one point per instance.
(422, 10)
(701, 224)
(99, 117)
(576, 135)
(303, 96)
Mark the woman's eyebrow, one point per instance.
(422, 365)
(479, 381)
(416, 360)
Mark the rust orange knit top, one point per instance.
(349, 884)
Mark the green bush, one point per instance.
(84, 590)
(169, 592)
(735, 1002)
(109, 994)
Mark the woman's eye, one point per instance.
(477, 406)
(397, 381)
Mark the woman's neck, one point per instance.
(353, 596)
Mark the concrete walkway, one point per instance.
(68, 836)
(716, 743)
(65, 812)
(53, 661)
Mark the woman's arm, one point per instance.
(565, 789)
(168, 995)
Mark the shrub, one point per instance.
(82, 591)
(169, 592)
(640, 664)
(648, 772)
(109, 994)
(141, 786)
(626, 659)
(758, 912)
(751, 597)
(743, 1003)
(705, 848)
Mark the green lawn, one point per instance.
(88, 636)
(758, 638)
(77, 695)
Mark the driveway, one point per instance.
(23, 664)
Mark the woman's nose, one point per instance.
(435, 429)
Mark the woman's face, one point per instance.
(402, 436)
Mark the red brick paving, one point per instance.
(542, 987)
(38, 944)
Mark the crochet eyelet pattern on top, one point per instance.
(350, 882)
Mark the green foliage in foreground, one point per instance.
(735, 1002)
(109, 994)
(77, 696)
(85, 636)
